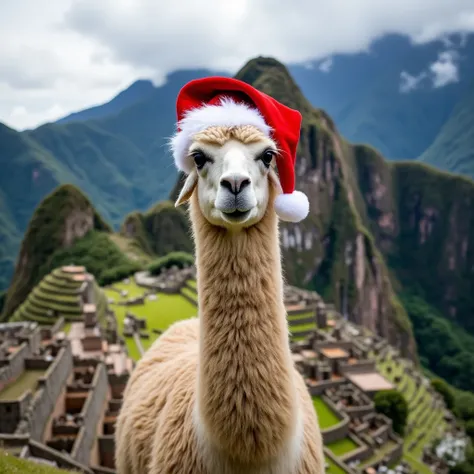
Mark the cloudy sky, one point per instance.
(58, 56)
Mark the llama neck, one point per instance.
(246, 397)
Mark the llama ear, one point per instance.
(187, 189)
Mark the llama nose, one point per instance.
(235, 183)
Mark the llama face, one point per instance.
(233, 179)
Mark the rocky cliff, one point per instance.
(423, 223)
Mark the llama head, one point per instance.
(233, 175)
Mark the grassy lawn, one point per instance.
(159, 314)
(343, 446)
(326, 416)
(132, 288)
(27, 381)
(192, 283)
(12, 465)
(302, 327)
(333, 468)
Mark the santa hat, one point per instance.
(222, 101)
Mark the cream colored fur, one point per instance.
(220, 394)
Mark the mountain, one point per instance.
(59, 221)
(453, 148)
(377, 229)
(136, 92)
(386, 96)
(120, 161)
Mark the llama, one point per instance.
(219, 394)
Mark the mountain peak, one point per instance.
(61, 218)
(270, 76)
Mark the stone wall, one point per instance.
(360, 454)
(62, 460)
(49, 388)
(91, 414)
(359, 367)
(339, 431)
(11, 412)
(191, 300)
(322, 385)
(13, 366)
(329, 454)
(58, 325)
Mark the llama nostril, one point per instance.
(235, 184)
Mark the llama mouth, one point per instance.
(236, 215)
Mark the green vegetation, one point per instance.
(56, 295)
(159, 313)
(160, 230)
(452, 150)
(456, 362)
(424, 425)
(60, 219)
(326, 416)
(28, 380)
(393, 405)
(12, 465)
(99, 254)
(343, 446)
(179, 259)
(443, 388)
(333, 467)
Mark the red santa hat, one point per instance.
(222, 101)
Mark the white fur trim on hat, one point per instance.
(292, 207)
(227, 114)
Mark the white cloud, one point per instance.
(445, 70)
(326, 65)
(409, 82)
(75, 53)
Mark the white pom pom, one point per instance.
(292, 207)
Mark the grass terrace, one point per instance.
(58, 292)
(333, 467)
(424, 423)
(326, 416)
(159, 313)
(28, 380)
(12, 465)
(342, 447)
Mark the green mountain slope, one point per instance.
(61, 218)
(137, 91)
(453, 148)
(118, 157)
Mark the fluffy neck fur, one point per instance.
(246, 408)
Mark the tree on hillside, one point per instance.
(443, 389)
(392, 404)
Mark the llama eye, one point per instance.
(267, 157)
(200, 159)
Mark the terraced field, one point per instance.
(425, 420)
(326, 416)
(57, 292)
(159, 313)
